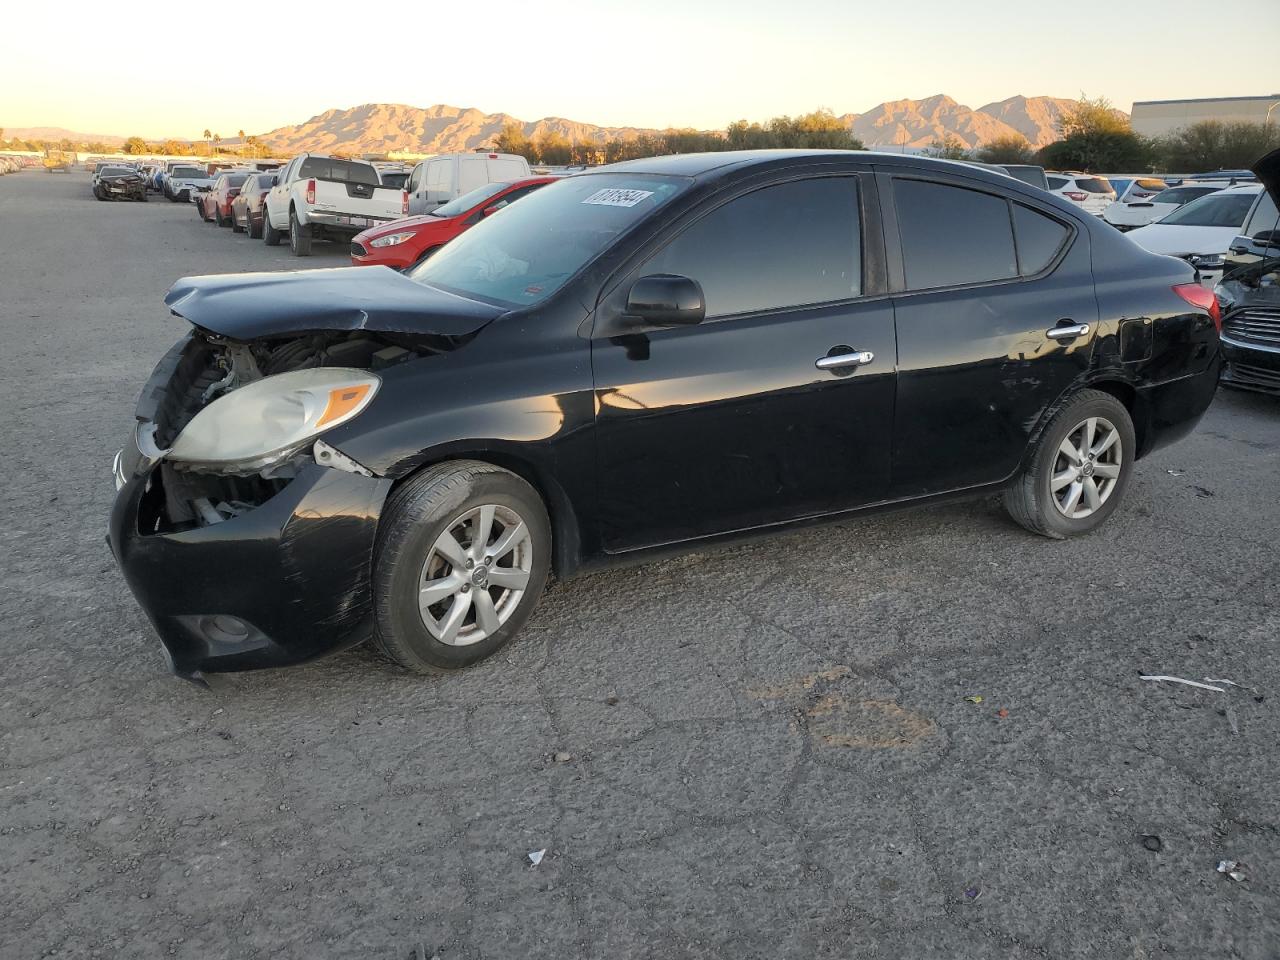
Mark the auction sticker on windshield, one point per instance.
(615, 197)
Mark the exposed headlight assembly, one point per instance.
(269, 420)
(392, 239)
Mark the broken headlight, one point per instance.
(268, 420)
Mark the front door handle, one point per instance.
(1068, 332)
(855, 358)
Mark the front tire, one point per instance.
(462, 554)
(299, 236)
(1079, 470)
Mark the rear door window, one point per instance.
(789, 245)
(952, 235)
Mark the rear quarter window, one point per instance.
(1039, 238)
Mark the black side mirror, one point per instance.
(666, 300)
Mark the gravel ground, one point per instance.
(765, 751)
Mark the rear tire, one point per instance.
(270, 235)
(299, 236)
(1089, 487)
(235, 222)
(254, 230)
(218, 218)
(432, 508)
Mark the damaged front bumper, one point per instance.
(281, 582)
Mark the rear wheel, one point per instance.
(254, 229)
(299, 236)
(462, 554)
(1079, 470)
(218, 218)
(235, 222)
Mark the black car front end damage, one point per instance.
(258, 562)
(121, 186)
(1250, 301)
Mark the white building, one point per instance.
(1156, 118)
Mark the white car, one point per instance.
(1138, 213)
(319, 197)
(450, 175)
(1091, 194)
(1201, 231)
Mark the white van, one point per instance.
(450, 175)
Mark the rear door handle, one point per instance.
(855, 358)
(1069, 332)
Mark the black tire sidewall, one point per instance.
(1100, 405)
(414, 525)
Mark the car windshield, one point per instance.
(114, 171)
(468, 200)
(525, 255)
(1221, 209)
(187, 172)
(1181, 195)
(343, 171)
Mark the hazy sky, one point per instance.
(171, 69)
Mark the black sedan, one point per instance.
(646, 358)
(119, 183)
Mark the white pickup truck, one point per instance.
(327, 198)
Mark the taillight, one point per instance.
(1077, 197)
(404, 203)
(1203, 298)
(311, 191)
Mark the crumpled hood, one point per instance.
(247, 306)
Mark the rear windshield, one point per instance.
(236, 179)
(1057, 183)
(1221, 209)
(343, 171)
(397, 179)
(525, 255)
(1181, 195)
(469, 200)
(1093, 185)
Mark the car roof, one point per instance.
(713, 165)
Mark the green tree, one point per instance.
(1214, 145)
(1097, 138)
(217, 141)
(1012, 148)
(553, 148)
(513, 140)
(136, 145)
(948, 147)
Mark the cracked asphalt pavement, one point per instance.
(773, 749)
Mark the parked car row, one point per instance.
(11, 165)
(322, 197)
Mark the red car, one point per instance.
(215, 204)
(403, 243)
(246, 208)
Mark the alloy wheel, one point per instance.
(475, 574)
(1086, 468)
